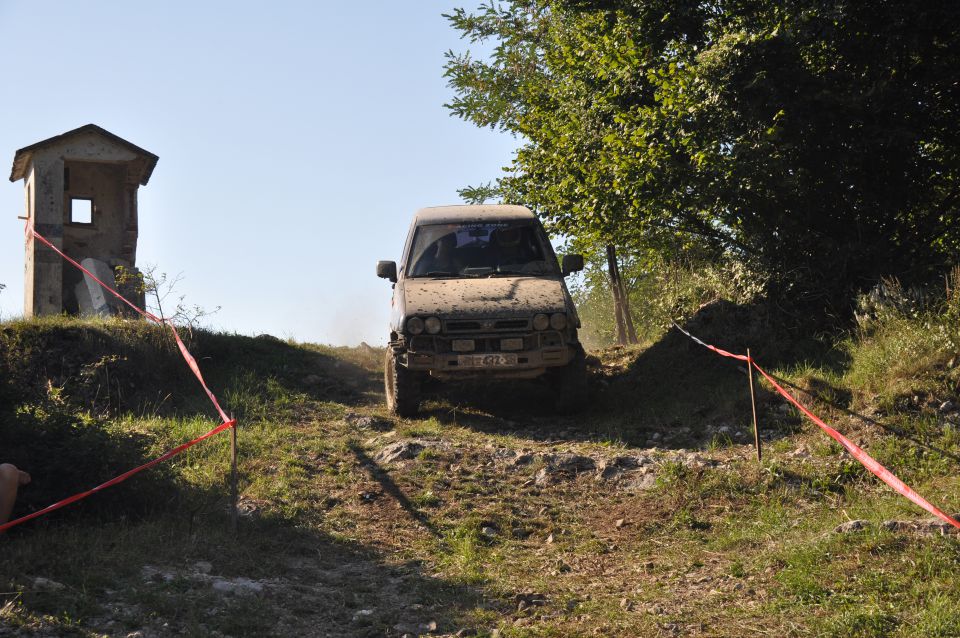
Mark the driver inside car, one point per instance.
(441, 258)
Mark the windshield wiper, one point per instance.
(513, 273)
(440, 274)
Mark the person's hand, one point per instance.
(24, 478)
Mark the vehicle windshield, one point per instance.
(480, 249)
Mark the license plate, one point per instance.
(486, 360)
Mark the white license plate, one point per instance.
(486, 360)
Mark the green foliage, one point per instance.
(480, 194)
(660, 291)
(464, 551)
(815, 142)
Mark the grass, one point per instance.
(463, 535)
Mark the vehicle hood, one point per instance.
(494, 296)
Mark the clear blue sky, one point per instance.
(296, 139)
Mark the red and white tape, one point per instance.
(119, 479)
(191, 363)
(868, 461)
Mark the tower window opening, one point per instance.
(81, 211)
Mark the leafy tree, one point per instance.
(815, 141)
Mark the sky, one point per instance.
(296, 140)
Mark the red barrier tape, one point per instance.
(722, 353)
(119, 479)
(868, 461)
(46, 242)
(149, 315)
(191, 362)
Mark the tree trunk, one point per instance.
(617, 289)
(625, 303)
(631, 331)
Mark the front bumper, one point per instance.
(437, 355)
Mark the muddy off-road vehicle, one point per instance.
(479, 293)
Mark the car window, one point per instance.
(479, 248)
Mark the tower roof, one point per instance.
(22, 158)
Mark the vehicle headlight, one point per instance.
(414, 325)
(433, 325)
(541, 321)
(558, 321)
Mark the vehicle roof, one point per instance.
(474, 212)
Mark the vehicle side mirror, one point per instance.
(571, 263)
(388, 270)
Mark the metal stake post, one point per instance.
(753, 404)
(233, 477)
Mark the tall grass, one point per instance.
(907, 343)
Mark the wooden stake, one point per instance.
(753, 404)
(233, 478)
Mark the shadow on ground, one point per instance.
(673, 393)
(169, 577)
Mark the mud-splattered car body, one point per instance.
(478, 292)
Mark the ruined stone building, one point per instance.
(81, 194)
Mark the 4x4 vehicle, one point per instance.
(480, 293)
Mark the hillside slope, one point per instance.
(646, 515)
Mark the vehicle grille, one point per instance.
(486, 325)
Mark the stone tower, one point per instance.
(81, 194)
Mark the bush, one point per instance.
(907, 342)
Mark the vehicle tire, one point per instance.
(571, 384)
(402, 387)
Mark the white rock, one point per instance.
(238, 586)
(362, 613)
(399, 451)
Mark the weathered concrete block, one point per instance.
(100, 301)
(83, 299)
